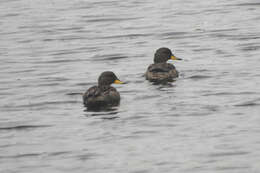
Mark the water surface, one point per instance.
(205, 121)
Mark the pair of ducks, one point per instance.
(105, 95)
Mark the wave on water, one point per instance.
(23, 127)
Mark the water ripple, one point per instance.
(198, 77)
(221, 154)
(23, 127)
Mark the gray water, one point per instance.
(206, 121)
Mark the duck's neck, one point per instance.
(104, 87)
(160, 62)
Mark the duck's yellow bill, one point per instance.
(118, 82)
(175, 58)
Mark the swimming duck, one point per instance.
(103, 95)
(161, 71)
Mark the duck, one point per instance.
(103, 94)
(161, 71)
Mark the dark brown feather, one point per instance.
(161, 72)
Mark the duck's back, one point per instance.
(161, 72)
(101, 96)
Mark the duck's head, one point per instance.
(163, 55)
(108, 78)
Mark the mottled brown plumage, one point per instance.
(161, 71)
(102, 95)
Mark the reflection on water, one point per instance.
(52, 51)
(106, 111)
